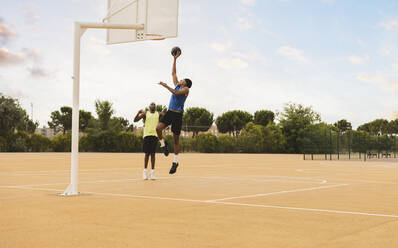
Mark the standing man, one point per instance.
(151, 119)
(175, 112)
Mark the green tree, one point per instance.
(118, 124)
(12, 116)
(376, 127)
(293, 122)
(260, 139)
(197, 120)
(393, 126)
(84, 119)
(30, 125)
(104, 110)
(343, 126)
(317, 139)
(274, 140)
(233, 121)
(264, 117)
(252, 139)
(61, 120)
(360, 141)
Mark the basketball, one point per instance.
(175, 50)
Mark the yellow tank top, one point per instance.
(151, 121)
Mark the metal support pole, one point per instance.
(80, 28)
(73, 186)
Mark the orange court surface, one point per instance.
(214, 200)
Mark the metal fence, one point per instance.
(326, 143)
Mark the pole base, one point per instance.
(70, 190)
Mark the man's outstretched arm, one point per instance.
(174, 71)
(183, 91)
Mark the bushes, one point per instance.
(206, 143)
(62, 143)
(3, 144)
(18, 142)
(106, 141)
(40, 143)
(261, 139)
(227, 144)
(129, 142)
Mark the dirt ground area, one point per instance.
(214, 200)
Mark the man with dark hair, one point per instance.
(173, 116)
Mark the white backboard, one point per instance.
(160, 19)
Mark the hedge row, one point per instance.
(253, 139)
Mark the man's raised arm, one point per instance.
(174, 71)
(139, 116)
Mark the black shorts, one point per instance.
(150, 143)
(173, 118)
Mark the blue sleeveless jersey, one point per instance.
(177, 102)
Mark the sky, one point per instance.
(338, 56)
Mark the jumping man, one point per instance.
(174, 113)
(151, 119)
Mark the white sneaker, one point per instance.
(144, 175)
(153, 175)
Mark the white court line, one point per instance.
(83, 182)
(176, 177)
(278, 192)
(308, 209)
(269, 179)
(50, 172)
(229, 203)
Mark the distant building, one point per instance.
(46, 132)
(213, 130)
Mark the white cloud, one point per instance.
(33, 54)
(221, 47)
(31, 13)
(243, 23)
(293, 54)
(246, 55)
(15, 93)
(387, 84)
(8, 58)
(385, 51)
(234, 63)
(39, 72)
(248, 2)
(360, 42)
(371, 78)
(5, 33)
(358, 60)
(390, 25)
